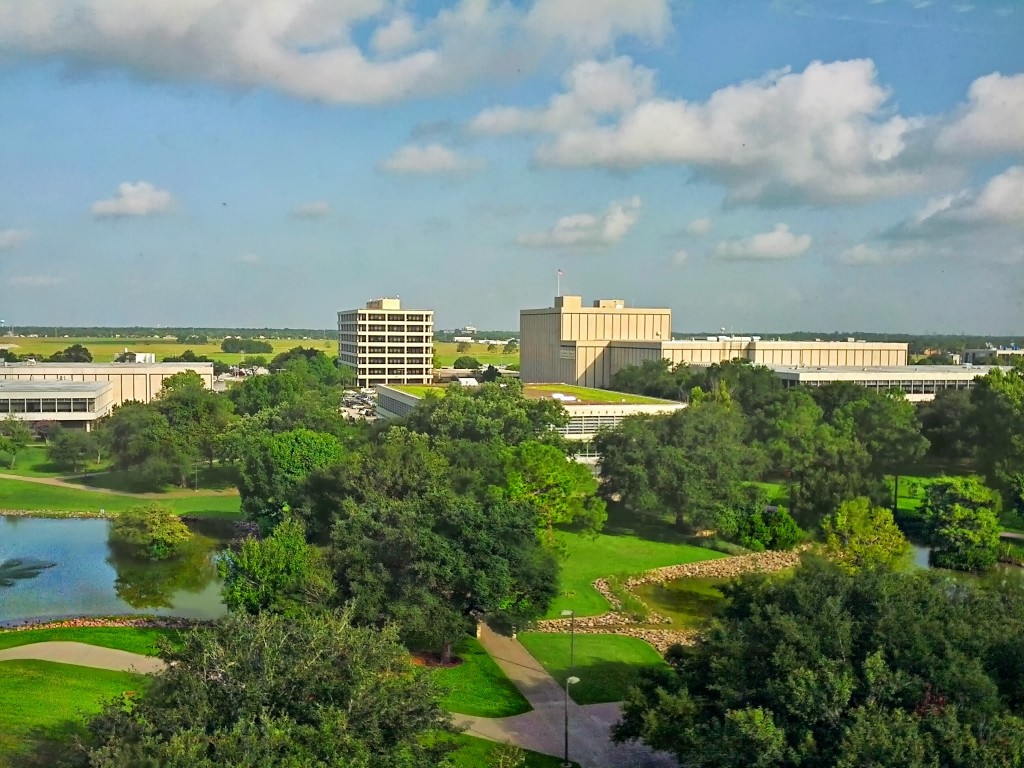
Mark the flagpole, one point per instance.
(558, 278)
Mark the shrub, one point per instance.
(151, 531)
(466, 361)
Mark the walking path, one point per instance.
(84, 655)
(542, 730)
(66, 482)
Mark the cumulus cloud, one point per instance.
(699, 226)
(593, 89)
(990, 121)
(134, 199)
(313, 49)
(428, 159)
(251, 259)
(33, 281)
(317, 209)
(679, 258)
(825, 134)
(588, 229)
(12, 238)
(776, 245)
(861, 254)
(1000, 203)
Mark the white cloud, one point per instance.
(12, 238)
(134, 199)
(679, 258)
(587, 229)
(860, 255)
(312, 49)
(314, 210)
(991, 120)
(824, 135)
(428, 159)
(33, 281)
(252, 259)
(1000, 203)
(778, 244)
(592, 89)
(699, 227)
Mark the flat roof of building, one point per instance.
(891, 371)
(46, 364)
(582, 395)
(12, 387)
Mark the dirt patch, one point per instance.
(434, 661)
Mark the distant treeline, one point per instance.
(183, 332)
(918, 342)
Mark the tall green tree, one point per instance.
(76, 353)
(196, 414)
(139, 437)
(70, 448)
(690, 464)
(962, 516)
(949, 425)
(428, 564)
(833, 669)
(15, 435)
(255, 691)
(998, 399)
(859, 535)
(278, 574)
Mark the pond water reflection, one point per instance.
(92, 578)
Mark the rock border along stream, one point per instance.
(616, 623)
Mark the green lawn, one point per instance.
(607, 665)
(32, 462)
(20, 495)
(589, 395)
(43, 703)
(447, 352)
(215, 478)
(474, 752)
(134, 639)
(478, 686)
(590, 557)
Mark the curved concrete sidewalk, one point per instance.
(84, 655)
(542, 730)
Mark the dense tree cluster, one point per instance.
(234, 344)
(829, 668)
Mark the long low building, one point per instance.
(590, 410)
(128, 381)
(581, 345)
(72, 403)
(918, 382)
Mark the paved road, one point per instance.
(542, 730)
(84, 655)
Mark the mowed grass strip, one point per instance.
(44, 704)
(591, 557)
(20, 495)
(477, 686)
(448, 351)
(607, 665)
(142, 640)
(32, 461)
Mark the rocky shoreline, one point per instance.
(126, 622)
(616, 623)
(57, 514)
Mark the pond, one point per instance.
(91, 578)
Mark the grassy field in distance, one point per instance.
(447, 352)
(105, 349)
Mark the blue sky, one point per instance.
(798, 164)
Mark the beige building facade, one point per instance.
(586, 346)
(129, 381)
(385, 344)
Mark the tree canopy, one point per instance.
(828, 668)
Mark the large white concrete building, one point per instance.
(993, 355)
(72, 403)
(128, 381)
(917, 382)
(385, 344)
(586, 346)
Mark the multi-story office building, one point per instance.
(580, 345)
(385, 344)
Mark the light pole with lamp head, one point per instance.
(568, 681)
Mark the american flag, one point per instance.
(560, 273)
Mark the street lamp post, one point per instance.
(568, 681)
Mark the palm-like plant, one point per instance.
(17, 569)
